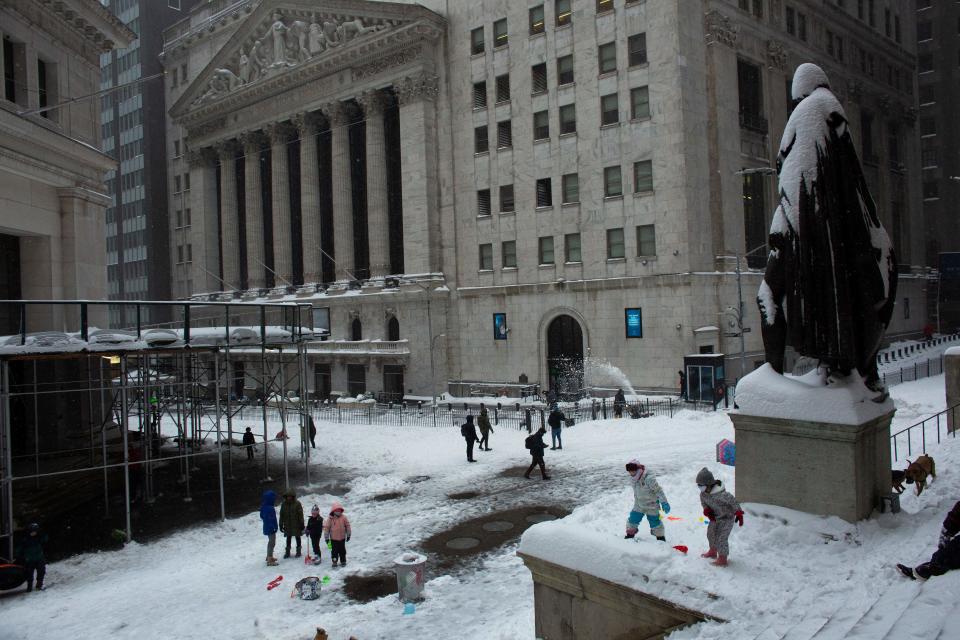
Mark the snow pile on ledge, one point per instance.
(952, 351)
(810, 397)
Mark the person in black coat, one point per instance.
(555, 420)
(313, 431)
(947, 555)
(30, 553)
(619, 402)
(469, 432)
(248, 442)
(537, 446)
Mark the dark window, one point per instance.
(754, 218)
(887, 29)
(536, 19)
(928, 93)
(544, 193)
(476, 41)
(507, 202)
(322, 385)
(393, 329)
(896, 28)
(479, 95)
(802, 26)
(500, 32)
(486, 257)
(609, 109)
(546, 250)
(538, 79)
(483, 202)
(612, 182)
(924, 30)
(503, 88)
(42, 86)
(928, 126)
(571, 247)
(356, 330)
(925, 62)
(564, 70)
(751, 97)
(866, 136)
(873, 15)
(570, 187)
(615, 246)
(504, 135)
(541, 125)
(607, 57)
(508, 254)
(931, 190)
(893, 142)
(643, 176)
(791, 21)
(568, 119)
(646, 240)
(481, 142)
(9, 73)
(758, 8)
(637, 49)
(860, 11)
(639, 103)
(356, 379)
(563, 12)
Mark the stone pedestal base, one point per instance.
(823, 468)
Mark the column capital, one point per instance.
(226, 149)
(279, 132)
(372, 102)
(307, 123)
(338, 113)
(204, 157)
(252, 141)
(420, 86)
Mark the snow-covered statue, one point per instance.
(831, 276)
(278, 34)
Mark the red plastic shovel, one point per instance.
(681, 548)
(273, 584)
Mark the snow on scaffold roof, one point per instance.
(112, 340)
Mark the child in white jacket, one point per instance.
(648, 499)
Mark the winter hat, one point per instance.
(705, 478)
(315, 511)
(638, 469)
(469, 418)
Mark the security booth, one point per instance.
(705, 377)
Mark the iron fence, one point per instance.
(918, 435)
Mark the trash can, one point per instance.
(409, 567)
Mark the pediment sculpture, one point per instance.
(282, 43)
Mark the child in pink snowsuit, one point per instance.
(336, 531)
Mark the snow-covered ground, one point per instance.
(210, 581)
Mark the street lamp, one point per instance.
(737, 314)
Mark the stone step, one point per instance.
(935, 602)
(806, 629)
(877, 621)
(854, 608)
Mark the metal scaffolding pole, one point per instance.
(36, 426)
(230, 384)
(188, 384)
(6, 447)
(216, 387)
(263, 387)
(283, 419)
(126, 449)
(304, 408)
(103, 444)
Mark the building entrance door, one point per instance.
(565, 357)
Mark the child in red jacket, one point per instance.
(336, 532)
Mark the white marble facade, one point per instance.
(262, 74)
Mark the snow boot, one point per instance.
(298, 553)
(721, 561)
(343, 562)
(334, 563)
(712, 553)
(316, 561)
(287, 554)
(527, 476)
(271, 561)
(906, 571)
(630, 536)
(662, 538)
(546, 477)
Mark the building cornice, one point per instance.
(85, 25)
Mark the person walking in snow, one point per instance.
(313, 431)
(249, 442)
(947, 555)
(555, 420)
(683, 385)
(315, 531)
(721, 508)
(291, 520)
(483, 421)
(336, 532)
(648, 500)
(619, 402)
(469, 432)
(30, 553)
(537, 446)
(268, 514)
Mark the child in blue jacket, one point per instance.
(269, 516)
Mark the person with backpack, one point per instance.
(537, 446)
(555, 420)
(249, 442)
(483, 421)
(469, 432)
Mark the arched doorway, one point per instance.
(565, 357)
(356, 330)
(393, 329)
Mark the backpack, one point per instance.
(530, 441)
(465, 430)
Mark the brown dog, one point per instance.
(918, 470)
(897, 478)
(322, 635)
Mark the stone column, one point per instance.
(204, 228)
(338, 114)
(308, 124)
(418, 162)
(378, 224)
(252, 145)
(229, 214)
(280, 134)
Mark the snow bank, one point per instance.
(811, 397)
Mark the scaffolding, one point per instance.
(106, 404)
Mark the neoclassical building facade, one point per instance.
(491, 192)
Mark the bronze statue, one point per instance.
(831, 277)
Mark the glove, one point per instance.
(708, 513)
(944, 539)
(665, 506)
(329, 545)
(348, 538)
(738, 516)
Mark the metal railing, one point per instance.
(907, 437)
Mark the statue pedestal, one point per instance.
(816, 467)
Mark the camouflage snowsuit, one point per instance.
(724, 506)
(647, 496)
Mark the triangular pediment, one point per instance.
(284, 36)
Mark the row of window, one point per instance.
(546, 254)
(15, 87)
(183, 218)
(569, 189)
(184, 253)
(563, 16)
(181, 183)
(567, 117)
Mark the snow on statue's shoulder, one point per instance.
(811, 398)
